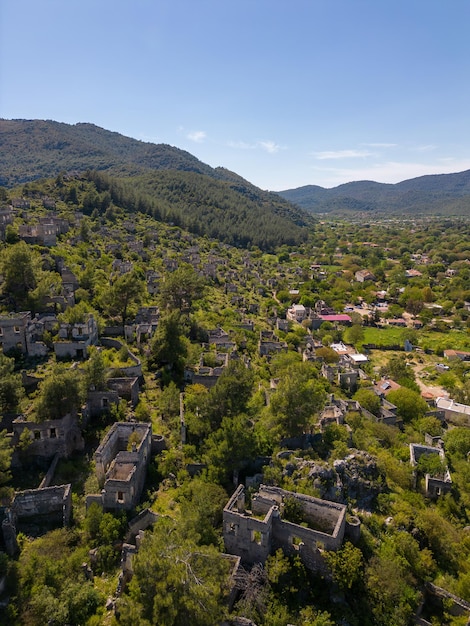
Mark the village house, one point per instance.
(453, 355)
(364, 275)
(384, 386)
(336, 319)
(454, 412)
(412, 273)
(296, 313)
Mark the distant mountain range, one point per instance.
(206, 200)
(34, 149)
(442, 194)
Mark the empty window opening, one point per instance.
(256, 536)
(120, 496)
(53, 433)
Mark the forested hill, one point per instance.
(32, 149)
(442, 194)
(170, 182)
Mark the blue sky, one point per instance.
(284, 92)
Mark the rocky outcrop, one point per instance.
(356, 477)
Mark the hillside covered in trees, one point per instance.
(175, 185)
(171, 403)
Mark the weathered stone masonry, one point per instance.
(255, 534)
(121, 471)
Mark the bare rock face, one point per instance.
(356, 477)
(360, 478)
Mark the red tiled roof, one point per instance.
(339, 317)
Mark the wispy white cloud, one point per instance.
(426, 148)
(342, 154)
(380, 145)
(268, 146)
(197, 136)
(241, 145)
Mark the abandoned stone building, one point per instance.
(75, 339)
(270, 344)
(35, 512)
(344, 377)
(334, 412)
(6, 217)
(436, 484)
(208, 375)
(220, 338)
(254, 534)
(44, 234)
(21, 331)
(121, 465)
(48, 438)
(127, 387)
(144, 325)
(13, 331)
(99, 402)
(102, 401)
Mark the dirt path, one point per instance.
(436, 390)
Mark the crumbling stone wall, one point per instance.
(50, 437)
(434, 486)
(35, 511)
(256, 533)
(126, 387)
(13, 331)
(98, 402)
(121, 471)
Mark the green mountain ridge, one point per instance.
(170, 182)
(444, 194)
(34, 149)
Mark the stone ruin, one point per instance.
(121, 465)
(48, 438)
(434, 485)
(36, 511)
(254, 534)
